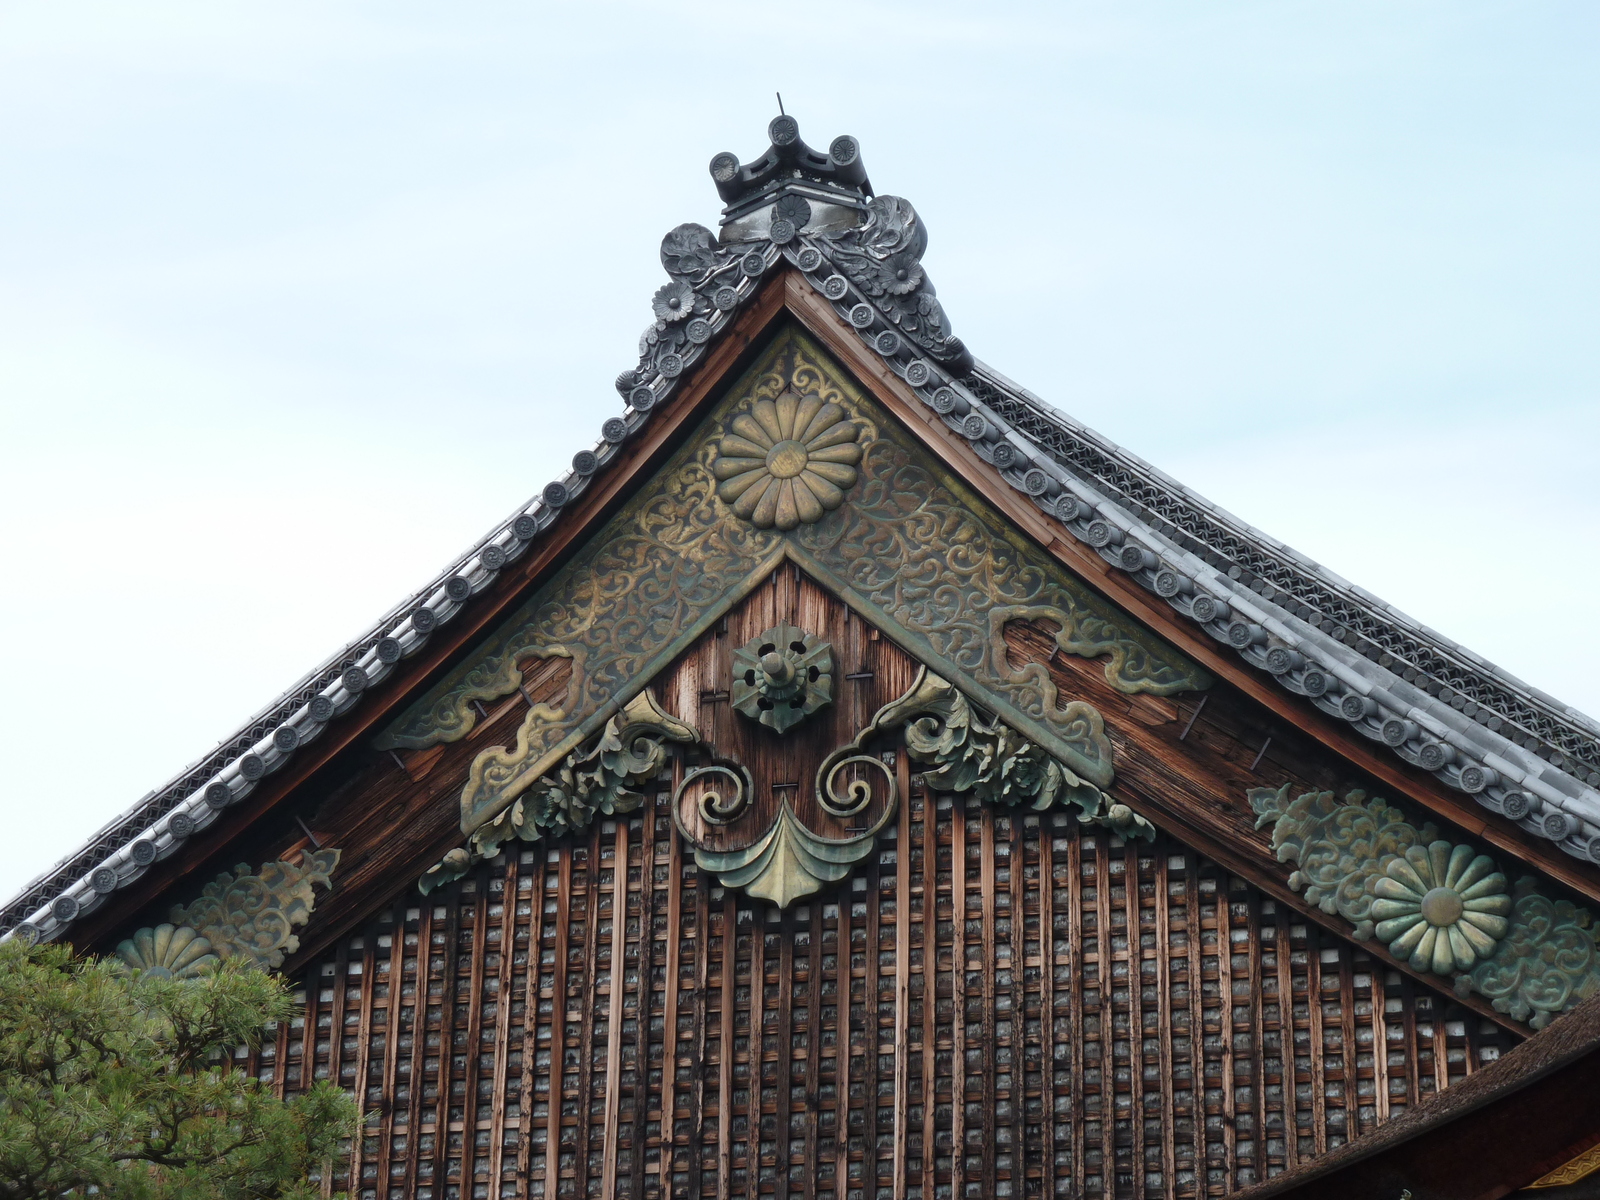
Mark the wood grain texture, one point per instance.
(1191, 777)
(1172, 1047)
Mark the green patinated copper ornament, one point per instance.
(781, 677)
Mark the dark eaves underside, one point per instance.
(1520, 753)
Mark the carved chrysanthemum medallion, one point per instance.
(788, 461)
(1445, 906)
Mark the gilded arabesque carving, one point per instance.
(910, 547)
(963, 751)
(596, 780)
(1442, 906)
(240, 914)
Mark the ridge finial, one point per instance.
(790, 167)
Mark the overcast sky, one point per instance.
(297, 299)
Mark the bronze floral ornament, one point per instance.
(243, 914)
(787, 462)
(1433, 903)
(1445, 906)
(168, 952)
(782, 676)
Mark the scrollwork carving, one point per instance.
(858, 794)
(789, 861)
(1440, 905)
(596, 780)
(914, 551)
(245, 914)
(715, 807)
(967, 752)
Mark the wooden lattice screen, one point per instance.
(1063, 1015)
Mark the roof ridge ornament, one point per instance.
(790, 167)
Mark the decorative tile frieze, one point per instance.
(1442, 907)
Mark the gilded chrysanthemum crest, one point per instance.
(787, 462)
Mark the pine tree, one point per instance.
(123, 1084)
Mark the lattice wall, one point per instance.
(1055, 1018)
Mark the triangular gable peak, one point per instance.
(825, 571)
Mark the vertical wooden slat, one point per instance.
(369, 968)
(872, 1035)
(1441, 1051)
(902, 974)
(639, 940)
(986, 957)
(558, 1027)
(1380, 1042)
(1017, 944)
(1164, 1060)
(449, 957)
(813, 1056)
(1349, 1059)
(669, 1003)
(469, 1106)
(758, 988)
(1282, 953)
(1224, 911)
(336, 1039)
(417, 1079)
(1047, 1005)
(1319, 1107)
(530, 1020)
(1076, 959)
(280, 1056)
(391, 1044)
(1135, 910)
(502, 1014)
(730, 938)
(697, 1057)
(619, 922)
(1200, 1159)
(586, 1013)
(1105, 964)
(930, 987)
(841, 1060)
(1258, 1048)
(958, 1000)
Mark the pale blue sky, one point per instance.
(297, 299)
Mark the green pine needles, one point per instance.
(124, 1085)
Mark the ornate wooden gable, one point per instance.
(823, 792)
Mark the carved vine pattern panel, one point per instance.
(997, 1004)
(908, 545)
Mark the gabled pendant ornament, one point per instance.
(960, 750)
(781, 677)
